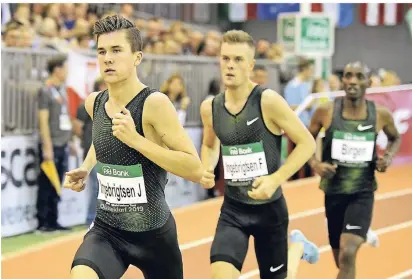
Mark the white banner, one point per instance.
(19, 170)
(180, 192)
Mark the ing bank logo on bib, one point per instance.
(240, 150)
(112, 171)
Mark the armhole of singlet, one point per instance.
(372, 112)
(259, 92)
(336, 112)
(213, 110)
(140, 120)
(97, 99)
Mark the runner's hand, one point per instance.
(124, 127)
(383, 163)
(263, 188)
(208, 179)
(325, 170)
(75, 179)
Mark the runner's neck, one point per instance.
(239, 94)
(123, 92)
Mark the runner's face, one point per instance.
(236, 63)
(355, 82)
(116, 60)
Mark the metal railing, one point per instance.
(24, 72)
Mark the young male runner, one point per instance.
(348, 165)
(247, 121)
(132, 149)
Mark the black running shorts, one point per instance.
(109, 252)
(348, 213)
(267, 223)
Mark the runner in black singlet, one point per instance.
(348, 164)
(247, 121)
(133, 225)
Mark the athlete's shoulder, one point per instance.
(157, 104)
(157, 98)
(323, 111)
(89, 102)
(383, 111)
(270, 98)
(206, 107)
(327, 106)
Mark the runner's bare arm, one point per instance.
(389, 128)
(90, 160)
(181, 158)
(286, 119)
(210, 143)
(316, 125)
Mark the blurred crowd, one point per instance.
(64, 26)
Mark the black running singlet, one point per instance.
(249, 149)
(350, 144)
(131, 187)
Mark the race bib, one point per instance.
(353, 147)
(65, 122)
(244, 162)
(121, 185)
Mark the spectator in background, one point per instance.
(334, 83)
(260, 75)
(210, 48)
(141, 25)
(127, 11)
(153, 29)
(172, 47)
(183, 39)
(276, 53)
(214, 36)
(376, 80)
(296, 92)
(176, 27)
(22, 14)
(390, 78)
(55, 134)
(262, 48)
(82, 42)
(26, 37)
(158, 48)
(300, 87)
(175, 89)
(82, 127)
(196, 42)
(319, 86)
(49, 36)
(12, 34)
(79, 26)
(37, 15)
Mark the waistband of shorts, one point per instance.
(361, 192)
(245, 206)
(130, 235)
